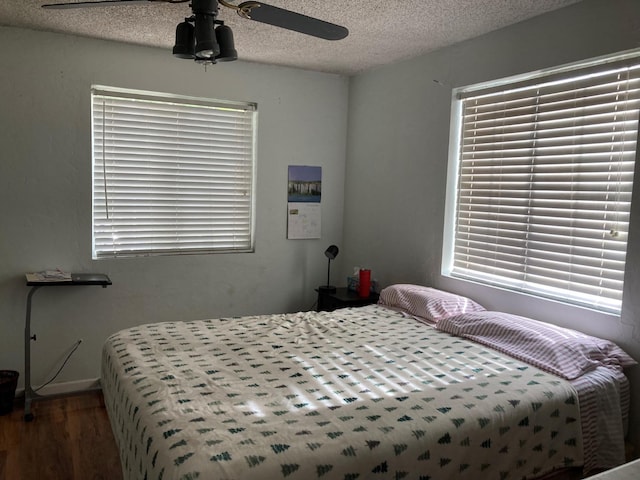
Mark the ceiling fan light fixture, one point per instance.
(228, 52)
(185, 40)
(206, 44)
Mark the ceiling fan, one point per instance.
(199, 39)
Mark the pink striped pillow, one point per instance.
(564, 352)
(426, 302)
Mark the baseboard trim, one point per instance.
(64, 388)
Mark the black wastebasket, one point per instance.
(8, 384)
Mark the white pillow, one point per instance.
(426, 302)
(564, 352)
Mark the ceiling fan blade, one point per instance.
(297, 22)
(99, 3)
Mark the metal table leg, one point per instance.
(29, 393)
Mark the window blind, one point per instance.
(171, 175)
(544, 185)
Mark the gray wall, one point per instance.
(398, 150)
(45, 196)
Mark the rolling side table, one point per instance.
(342, 298)
(77, 279)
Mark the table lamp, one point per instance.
(330, 253)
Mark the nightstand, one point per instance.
(343, 298)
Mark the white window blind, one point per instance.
(545, 176)
(171, 175)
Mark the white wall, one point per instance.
(45, 196)
(397, 160)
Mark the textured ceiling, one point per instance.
(381, 31)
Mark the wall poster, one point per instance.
(304, 192)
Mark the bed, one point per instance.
(408, 388)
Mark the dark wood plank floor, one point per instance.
(70, 438)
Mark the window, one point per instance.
(171, 175)
(544, 168)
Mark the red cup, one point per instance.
(364, 287)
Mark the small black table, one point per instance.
(342, 298)
(77, 279)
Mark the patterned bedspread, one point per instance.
(352, 394)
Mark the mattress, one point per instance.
(355, 393)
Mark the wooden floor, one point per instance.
(70, 438)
